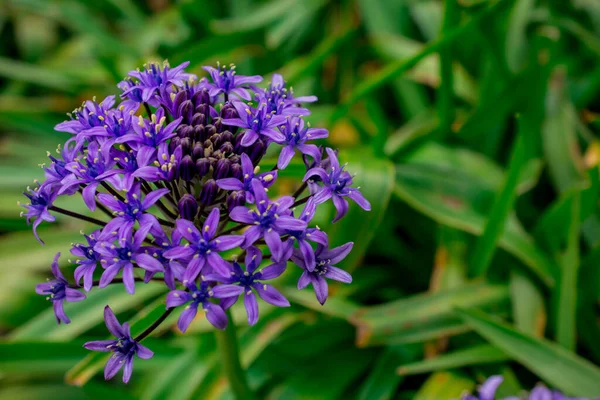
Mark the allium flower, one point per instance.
(257, 122)
(41, 199)
(197, 296)
(172, 178)
(226, 81)
(249, 175)
(203, 247)
(130, 210)
(117, 258)
(250, 281)
(269, 221)
(151, 80)
(58, 291)
(296, 135)
(123, 348)
(89, 260)
(322, 268)
(487, 391)
(335, 187)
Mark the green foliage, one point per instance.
(473, 128)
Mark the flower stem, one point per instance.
(229, 351)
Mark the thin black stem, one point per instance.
(154, 325)
(301, 201)
(299, 191)
(167, 213)
(112, 191)
(100, 206)
(148, 110)
(77, 215)
(234, 228)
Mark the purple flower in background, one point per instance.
(121, 258)
(250, 281)
(487, 391)
(197, 296)
(130, 210)
(89, 260)
(203, 247)
(226, 81)
(57, 171)
(269, 221)
(58, 291)
(91, 172)
(123, 348)
(40, 202)
(151, 79)
(322, 268)
(249, 175)
(296, 135)
(256, 122)
(335, 187)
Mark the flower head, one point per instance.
(248, 282)
(336, 184)
(257, 122)
(58, 291)
(228, 82)
(41, 199)
(124, 348)
(281, 100)
(296, 134)
(322, 268)
(196, 296)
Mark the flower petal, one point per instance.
(251, 307)
(100, 345)
(242, 214)
(210, 225)
(187, 316)
(271, 295)
(338, 274)
(112, 323)
(149, 263)
(176, 298)
(228, 242)
(143, 352)
(215, 315)
(337, 254)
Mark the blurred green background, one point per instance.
(473, 127)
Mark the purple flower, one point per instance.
(214, 313)
(165, 168)
(335, 187)
(57, 171)
(249, 175)
(58, 291)
(41, 199)
(256, 122)
(173, 269)
(487, 391)
(227, 82)
(271, 219)
(250, 281)
(150, 133)
(130, 162)
(123, 349)
(117, 258)
(151, 79)
(91, 171)
(88, 121)
(89, 260)
(322, 268)
(313, 234)
(203, 247)
(131, 210)
(296, 135)
(281, 100)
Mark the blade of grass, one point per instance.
(445, 102)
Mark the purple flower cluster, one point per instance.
(172, 172)
(487, 391)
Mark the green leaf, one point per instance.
(482, 354)
(559, 367)
(444, 385)
(85, 314)
(376, 323)
(260, 17)
(528, 308)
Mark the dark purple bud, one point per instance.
(256, 151)
(198, 151)
(202, 166)
(186, 110)
(222, 168)
(209, 192)
(187, 169)
(186, 145)
(199, 132)
(216, 139)
(236, 171)
(188, 207)
(226, 148)
(180, 97)
(173, 144)
(227, 136)
(208, 150)
(237, 198)
(228, 111)
(183, 130)
(198, 119)
(201, 97)
(210, 130)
